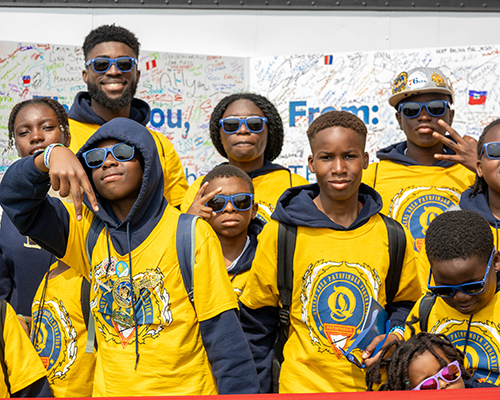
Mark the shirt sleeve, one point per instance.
(191, 194)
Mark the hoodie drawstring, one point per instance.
(496, 228)
(467, 335)
(133, 298)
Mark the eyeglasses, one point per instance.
(102, 65)
(121, 152)
(412, 109)
(472, 288)
(451, 373)
(240, 201)
(233, 124)
(492, 150)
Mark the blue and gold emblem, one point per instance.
(400, 83)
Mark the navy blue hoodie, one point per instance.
(23, 197)
(396, 153)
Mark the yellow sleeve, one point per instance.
(191, 194)
(261, 288)
(369, 174)
(298, 180)
(173, 172)
(23, 364)
(213, 293)
(413, 313)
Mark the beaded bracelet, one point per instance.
(25, 320)
(47, 151)
(398, 330)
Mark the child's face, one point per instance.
(35, 127)
(418, 130)
(244, 146)
(338, 161)
(425, 366)
(487, 168)
(117, 181)
(459, 271)
(231, 222)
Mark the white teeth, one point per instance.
(114, 85)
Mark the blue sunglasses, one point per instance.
(94, 158)
(102, 65)
(233, 124)
(492, 150)
(412, 109)
(240, 201)
(471, 289)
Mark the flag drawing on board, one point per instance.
(476, 97)
(328, 60)
(26, 79)
(150, 64)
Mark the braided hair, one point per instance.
(61, 114)
(480, 185)
(396, 358)
(275, 133)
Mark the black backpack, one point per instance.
(287, 235)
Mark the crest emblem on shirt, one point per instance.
(416, 207)
(480, 345)
(335, 297)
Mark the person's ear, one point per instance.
(479, 168)
(255, 209)
(496, 260)
(310, 164)
(366, 160)
(452, 115)
(85, 76)
(138, 75)
(398, 117)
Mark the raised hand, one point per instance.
(199, 206)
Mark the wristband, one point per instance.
(398, 330)
(47, 151)
(25, 320)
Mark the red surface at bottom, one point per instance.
(457, 394)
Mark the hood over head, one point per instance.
(82, 112)
(296, 207)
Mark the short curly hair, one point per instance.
(228, 171)
(61, 114)
(110, 33)
(459, 234)
(343, 119)
(480, 185)
(275, 134)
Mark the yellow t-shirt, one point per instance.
(483, 344)
(268, 189)
(414, 195)
(62, 335)
(23, 365)
(172, 356)
(334, 275)
(173, 172)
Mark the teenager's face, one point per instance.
(425, 366)
(487, 168)
(35, 127)
(231, 222)
(419, 130)
(113, 90)
(459, 271)
(117, 181)
(244, 146)
(338, 161)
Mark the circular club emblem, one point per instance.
(417, 80)
(400, 83)
(122, 292)
(49, 339)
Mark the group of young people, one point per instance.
(251, 280)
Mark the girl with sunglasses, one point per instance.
(247, 130)
(484, 196)
(463, 301)
(425, 174)
(233, 218)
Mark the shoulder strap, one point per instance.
(287, 236)
(185, 244)
(96, 227)
(397, 249)
(375, 177)
(425, 309)
(3, 313)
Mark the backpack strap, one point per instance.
(3, 313)
(185, 243)
(425, 309)
(96, 227)
(287, 236)
(397, 249)
(375, 177)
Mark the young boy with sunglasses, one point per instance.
(232, 215)
(112, 75)
(464, 300)
(424, 175)
(149, 334)
(340, 265)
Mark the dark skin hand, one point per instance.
(465, 147)
(68, 176)
(371, 347)
(199, 207)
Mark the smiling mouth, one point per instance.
(114, 85)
